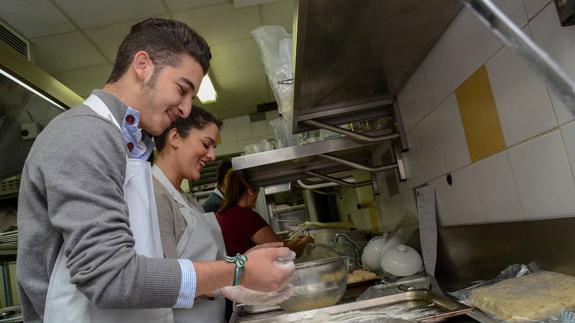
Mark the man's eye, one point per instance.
(182, 90)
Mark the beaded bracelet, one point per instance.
(239, 260)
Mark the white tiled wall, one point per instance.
(497, 191)
(449, 134)
(543, 177)
(239, 132)
(533, 6)
(559, 42)
(465, 196)
(521, 97)
(455, 57)
(533, 177)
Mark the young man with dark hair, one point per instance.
(89, 245)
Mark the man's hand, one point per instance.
(268, 269)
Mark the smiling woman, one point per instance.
(186, 231)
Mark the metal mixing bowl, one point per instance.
(317, 283)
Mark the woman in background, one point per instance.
(242, 227)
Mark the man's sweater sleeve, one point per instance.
(84, 173)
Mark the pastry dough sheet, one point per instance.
(532, 297)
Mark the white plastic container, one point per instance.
(373, 251)
(402, 261)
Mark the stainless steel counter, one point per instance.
(407, 297)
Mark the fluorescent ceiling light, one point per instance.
(207, 92)
(31, 89)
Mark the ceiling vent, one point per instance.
(12, 39)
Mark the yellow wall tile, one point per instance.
(479, 116)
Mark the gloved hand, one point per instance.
(268, 269)
(240, 294)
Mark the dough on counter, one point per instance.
(360, 275)
(536, 296)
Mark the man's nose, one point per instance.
(185, 107)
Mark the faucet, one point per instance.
(354, 245)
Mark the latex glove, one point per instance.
(240, 294)
(268, 269)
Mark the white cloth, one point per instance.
(201, 241)
(64, 302)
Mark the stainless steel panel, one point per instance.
(437, 309)
(479, 252)
(348, 55)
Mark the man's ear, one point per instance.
(143, 66)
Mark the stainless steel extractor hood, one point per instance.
(350, 53)
(29, 99)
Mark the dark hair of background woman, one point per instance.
(236, 186)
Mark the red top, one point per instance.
(239, 224)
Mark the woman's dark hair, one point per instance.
(223, 168)
(197, 119)
(236, 186)
(164, 40)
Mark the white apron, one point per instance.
(201, 241)
(64, 302)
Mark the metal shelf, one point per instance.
(299, 162)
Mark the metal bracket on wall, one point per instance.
(307, 186)
(358, 166)
(397, 165)
(399, 162)
(349, 133)
(399, 126)
(337, 180)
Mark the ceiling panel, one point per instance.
(85, 63)
(179, 5)
(63, 52)
(34, 18)
(235, 55)
(236, 103)
(244, 78)
(223, 23)
(108, 38)
(279, 13)
(242, 90)
(82, 81)
(88, 14)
